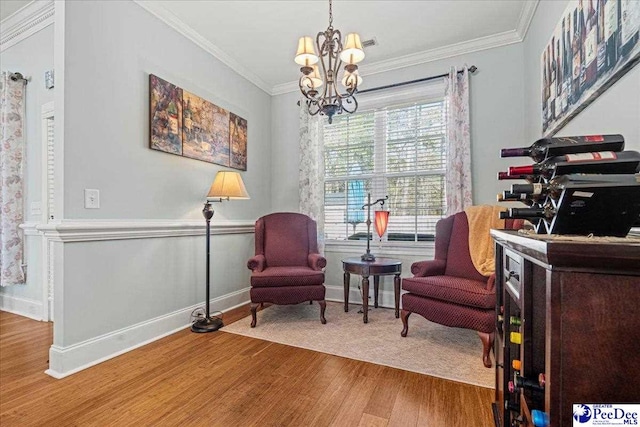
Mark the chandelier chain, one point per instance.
(330, 14)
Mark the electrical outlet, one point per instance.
(91, 199)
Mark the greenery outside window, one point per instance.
(397, 151)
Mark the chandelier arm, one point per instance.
(350, 100)
(314, 111)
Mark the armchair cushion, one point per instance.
(316, 261)
(286, 239)
(428, 268)
(257, 263)
(287, 276)
(457, 290)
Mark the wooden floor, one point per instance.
(221, 379)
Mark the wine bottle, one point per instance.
(505, 175)
(515, 337)
(601, 59)
(539, 418)
(611, 32)
(552, 82)
(590, 48)
(604, 162)
(555, 186)
(507, 196)
(568, 57)
(556, 146)
(582, 16)
(577, 57)
(629, 25)
(522, 382)
(546, 211)
(516, 364)
(511, 406)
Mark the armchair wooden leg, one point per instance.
(404, 315)
(311, 302)
(254, 307)
(487, 344)
(323, 306)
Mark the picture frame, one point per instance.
(184, 124)
(594, 44)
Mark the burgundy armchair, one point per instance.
(287, 268)
(449, 290)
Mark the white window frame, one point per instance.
(424, 93)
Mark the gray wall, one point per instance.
(111, 48)
(497, 116)
(31, 57)
(615, 111)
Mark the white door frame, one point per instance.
(46, 216)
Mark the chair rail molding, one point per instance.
(85, 231)
(25, 22)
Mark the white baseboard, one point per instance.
(21, 306)
(64, 361)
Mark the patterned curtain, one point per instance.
(458, 173)
(11, 172)
(312, 170)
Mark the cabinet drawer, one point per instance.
(513, 274)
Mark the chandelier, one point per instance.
(321, 91)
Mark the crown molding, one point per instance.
(526, 16)
(155, 8)
(25, 22)
(456, 49)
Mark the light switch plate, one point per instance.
(36, 208)
(91, 199)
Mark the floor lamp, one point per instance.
(226, 186)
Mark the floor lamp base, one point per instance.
(210, 324)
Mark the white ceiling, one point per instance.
(258, 38)
(9, 7)
(261, 36)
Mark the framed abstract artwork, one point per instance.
(238, 138)
(594, 44)
(165, 111)
(185, 124)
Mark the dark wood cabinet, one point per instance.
(570, 311)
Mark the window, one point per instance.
(397, 151)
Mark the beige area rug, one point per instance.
(429, 348)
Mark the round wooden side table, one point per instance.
(377, 268)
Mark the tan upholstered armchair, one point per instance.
(287, 268)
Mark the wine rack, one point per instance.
(573, 306)
(600, 196)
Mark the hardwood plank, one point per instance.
(369, 420)
(222, 379)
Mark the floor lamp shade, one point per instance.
(228, 185)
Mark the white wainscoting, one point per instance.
(94, 264)
(65, 361)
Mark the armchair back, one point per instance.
(452, 245)
(286, 239)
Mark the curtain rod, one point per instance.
(18, 76)
(472, 70)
